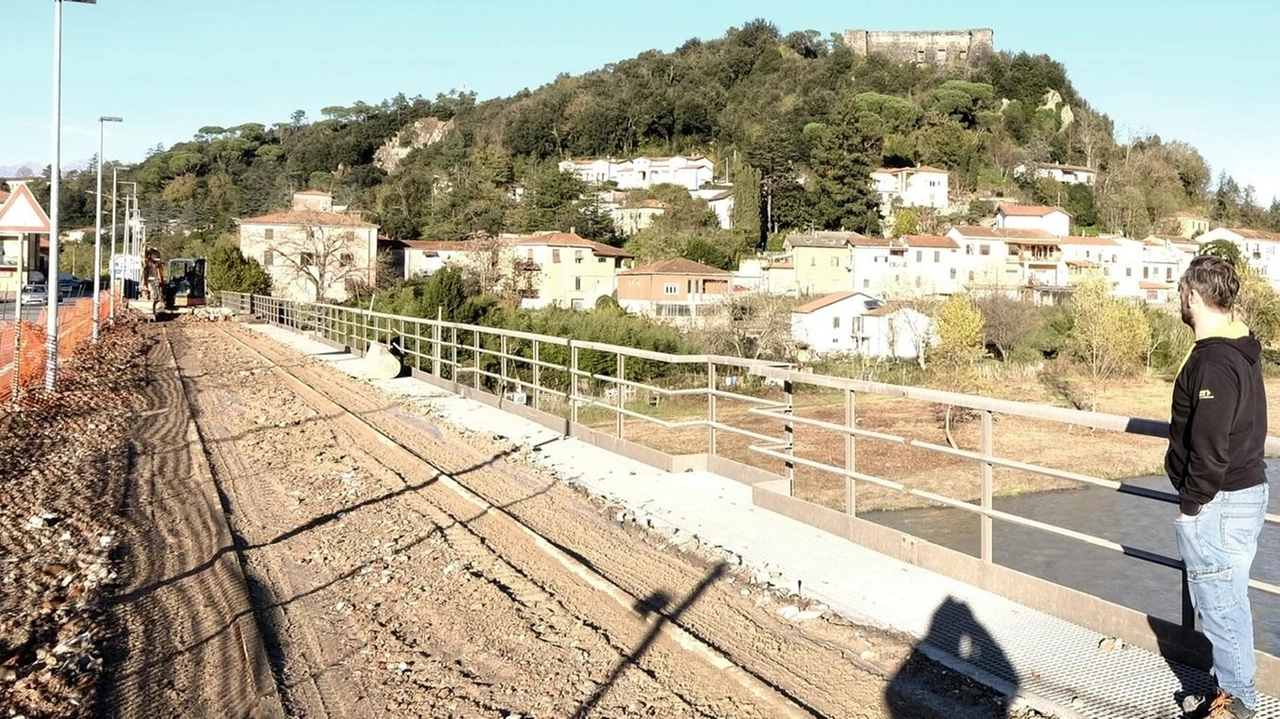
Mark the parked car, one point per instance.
(36, 295)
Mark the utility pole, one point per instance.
(97, 233)
(111, 264)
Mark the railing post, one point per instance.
(537, 376)
(988, 447)
(712, 414)
(621, 390)
(573, 385)
(1188, 607)
(453, 368)
(850, 454)
(502, 349)
(436, 354)
(475, 350)
(790, 433)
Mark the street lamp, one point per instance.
(51, 343)
(114, 269)
(97, 233)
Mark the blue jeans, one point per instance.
(1217, 547)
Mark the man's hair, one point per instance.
(1215, 279)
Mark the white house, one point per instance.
(895, 331)
(312, 251)
(422, 258)
(720, 202)
(1259, 248)
(1066, 174)
(878, 264)
(911, 187)
(831, 324)
(933, 264)
(1053, 220)
(690, 172)
(1165, 258)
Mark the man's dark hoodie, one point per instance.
(1219, 419)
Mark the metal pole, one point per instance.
(97, 237)
(115, 176)
(17, 330)
(850, 454)
(988, 448)
(55, 181)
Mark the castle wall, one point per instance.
(941, 47)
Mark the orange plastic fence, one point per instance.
(75, 327)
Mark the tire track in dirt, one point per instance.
(185, 636)
(823, 662)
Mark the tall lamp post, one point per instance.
(55, 182)
(97, 233)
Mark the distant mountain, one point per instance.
(22, 169)
(36, 169)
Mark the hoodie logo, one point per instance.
(1206, 394)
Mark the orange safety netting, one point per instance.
(75, 327)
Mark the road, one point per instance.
(388, 568)
(31, 313)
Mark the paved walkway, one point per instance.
(1053, 665)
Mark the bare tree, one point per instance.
(756, 325)
(491, 267)
(1008, 323)
(325, 257)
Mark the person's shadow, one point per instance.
(956, 640)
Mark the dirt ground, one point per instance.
(350, 578)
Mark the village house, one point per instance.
(1023, 263)
(570, 271)
(1261, 249)
(548, 269)
(1066, 174)
(896, 331)
(1164, 259)
(676, 290)
(822, 261)
(691, 172)
(832, 323)
(312, 251)
(1052, 220)
(719, 201)
(630, 219)
(775, 275)
(1189, 224)
(911, 187)
(933, 264)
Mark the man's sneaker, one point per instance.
(1219, 706)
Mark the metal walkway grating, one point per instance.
(1047, 657)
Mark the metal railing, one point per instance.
(574, 376)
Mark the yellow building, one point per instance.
(566, 270)
(823, 261)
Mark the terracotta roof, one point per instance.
(721, 196)
(938, 241)
(308, 217)
(1151, 285)
(674, 266)
(314, 193)
(780, 266)
(437, 246)
(1255, 234)
(998, 233)
(1095, 241)
(1029, 210)
(823, 301)
(824, 239)
(568, 239)
(3, 196)
(882, 310)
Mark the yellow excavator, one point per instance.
(170, 287)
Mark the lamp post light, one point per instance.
(97, 233)
(55, 182)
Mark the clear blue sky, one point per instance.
(1200, 71)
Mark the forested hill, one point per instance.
(766, 106)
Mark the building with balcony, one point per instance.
(677, 290)
(1260, 248)
(571, 271)
(832, 324)
(1023, 263)
(911, 187)
(933, 265)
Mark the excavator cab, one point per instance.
(184, 284)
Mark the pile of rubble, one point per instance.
(59, 495)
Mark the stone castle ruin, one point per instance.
(925, 47)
